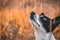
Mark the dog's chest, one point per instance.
(44, 36)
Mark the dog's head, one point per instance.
(40, 22)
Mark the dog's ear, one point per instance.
(55, 22)
(32, 13)
(42, 14)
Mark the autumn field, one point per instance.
(14, 17)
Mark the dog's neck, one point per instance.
(42, 36)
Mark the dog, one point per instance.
(41, 25)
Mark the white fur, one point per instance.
(40, 32)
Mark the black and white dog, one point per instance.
(41, 25)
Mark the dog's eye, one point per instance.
(45, 19)
(41, 16)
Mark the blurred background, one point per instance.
(14, 17)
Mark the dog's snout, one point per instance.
(32, 13)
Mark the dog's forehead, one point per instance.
(42, 15)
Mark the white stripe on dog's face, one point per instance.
(34, 18)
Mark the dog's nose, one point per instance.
(32, 13)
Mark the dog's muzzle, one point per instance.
(32, 15)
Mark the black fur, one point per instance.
(46, 22)
(55, 22)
